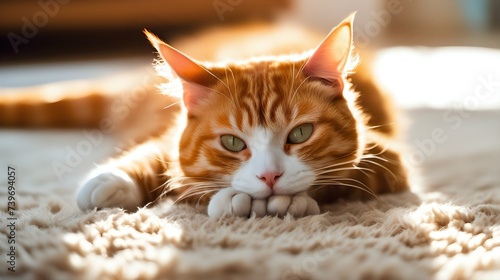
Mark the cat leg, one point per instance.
(128, 181)
(230, 202)
(112, 188)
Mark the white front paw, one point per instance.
(298, 205)
(112, 188)
(230, 202)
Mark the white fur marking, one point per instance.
(268, 156)
(111, 188)
(229, 202)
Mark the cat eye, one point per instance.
(300, 133)
(232, 143)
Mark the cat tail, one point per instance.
(59, 105)
(128, 102)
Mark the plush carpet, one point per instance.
(447, 228)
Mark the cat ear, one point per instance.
(330, 58)
(195, 78)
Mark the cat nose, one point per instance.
(270, 178)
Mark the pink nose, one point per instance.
(270, 178)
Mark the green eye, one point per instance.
(300, 133)
(232, 143)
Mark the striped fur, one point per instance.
(349, 154)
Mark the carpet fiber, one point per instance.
(447, 228)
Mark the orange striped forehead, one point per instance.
(274, 96)
(269, 94)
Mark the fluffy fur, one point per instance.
(259, 102)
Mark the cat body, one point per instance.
(269, 135)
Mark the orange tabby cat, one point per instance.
(270, 135)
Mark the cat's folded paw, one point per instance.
(298, 205)
(109, 189)
(230, 202)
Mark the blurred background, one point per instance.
(61, 30)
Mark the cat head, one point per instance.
(275, 125)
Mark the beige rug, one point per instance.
(449, 228)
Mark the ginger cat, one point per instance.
(269, 135)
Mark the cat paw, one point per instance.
(298, 205)
(230, 202)
(109, 189)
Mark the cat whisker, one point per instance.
(295, 92)
(293, 78)
(179, 182)
(222, 82)
(362, 170)
(381, 166)
(302, 67)
(381, 125)
(215, 76)
(227, 81)
(326, 184)
(230, 99)
(368, 148)
(367, 190)
(344, 169)
(201, 194)
(329, 167)
(335, 178)
(234, 79)
(335, 164)
(197, 190)
(344, 127)
(332, 183)
(173, 104)
(373, 156)
(197, 180)
(377, 164)
(384, 149)
(235, 87)
(169, 185)
(348, 179)
(234, 82)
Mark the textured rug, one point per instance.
(447, 228)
